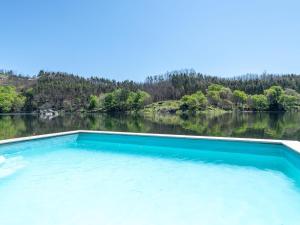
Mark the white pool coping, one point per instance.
(294, 145)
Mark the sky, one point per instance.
(127, 39)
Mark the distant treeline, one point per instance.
(174, 85)
(218, 96)
(62, 91)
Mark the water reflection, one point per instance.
(256, 125)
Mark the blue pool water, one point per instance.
(93, 179)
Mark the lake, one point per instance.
(251, 125)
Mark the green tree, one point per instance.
(215, 87)
(239, 98)
(109, 102)
(187, 103)
(18, 103)
(94, 102)
(259, 102)
(288, 102)
(295, 94)
(10, 100)
(125, 100)
(219, 96)
(273, 95)
(196, 101)
(213, 97)
(120, 97)
(225, 93)
(29, 105)
(137, 100)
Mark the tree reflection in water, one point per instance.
(255, 125)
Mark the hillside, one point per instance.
(20, 82)
(174, 85)
(68, 92)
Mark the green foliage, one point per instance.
(219, 96)
(94, 102)
(213, 97)
(215, 87)
(122, 100)
(295, 100)
(279, 99)
(225, 93)
(61, 91)
(137, 100)
(176, 84)
(289, 102)
(116, 100)
(30, 105)
(259, 102)
(108, 102)
(6, 99)
(10, 100)
(273, 95)
(18, 103)
(226, 104)
(239, 98)
(163, 107)
(193, 102)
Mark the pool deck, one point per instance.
(294, 145)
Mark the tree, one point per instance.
(215, 87)
(176, 84)
(219, 96)
(62, 91)
(108, 102)
(239, 98)
(94, 102)
(196, 101)
(121, 96)
(18, 103)
(125, 100)
(226, 104)
(29, 105)
(273, 95)
(137, 100)
(259, 102)
(141, 99)
(294, 93)
(289, 102)
(10, 100)
(225, 93)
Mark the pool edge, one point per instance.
(294, 145)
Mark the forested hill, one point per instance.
(69, 92)
(176, 84)
(8, 78)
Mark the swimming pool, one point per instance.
(92, 178)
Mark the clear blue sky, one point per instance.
(132, 39)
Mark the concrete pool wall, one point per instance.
(294, 145)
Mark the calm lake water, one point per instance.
(255, 125)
